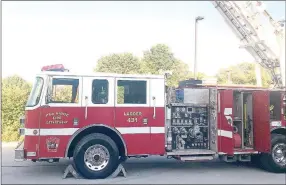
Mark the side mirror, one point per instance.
(168, 74)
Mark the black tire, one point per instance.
(267, 162)
(84, 144)
(255, 160)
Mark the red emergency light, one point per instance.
(55, 67)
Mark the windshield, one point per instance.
(35, 95)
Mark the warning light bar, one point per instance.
(55, 67)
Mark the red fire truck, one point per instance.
(106, 118)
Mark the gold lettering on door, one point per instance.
(57, 118)
(132, 116)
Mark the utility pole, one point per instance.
(199, 18)
(229, 81)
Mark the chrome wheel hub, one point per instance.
(279, 154)
(96, 157)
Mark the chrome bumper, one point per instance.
(20, 152)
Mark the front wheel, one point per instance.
(276, 161)
(96, 156)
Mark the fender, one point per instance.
(275, 128)
(279, 130)
(94, 125)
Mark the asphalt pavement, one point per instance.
(152, 170)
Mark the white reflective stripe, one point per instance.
(227, 111)
(157, 130)
(71, 131)
(133, 130)
(31, 154)
(225, 133)
(30, 132)
(141, 130)
(51, 132)
(58, 131)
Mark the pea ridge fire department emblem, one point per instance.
(52, 144)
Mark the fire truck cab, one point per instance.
(101, 119)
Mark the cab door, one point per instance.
(133, 113)
(60, 116)
(98, 101)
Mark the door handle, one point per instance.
(154, 107)
(85, 113)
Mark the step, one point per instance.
(244, 151)
(191, 152)
(244, 158)
(196, 158)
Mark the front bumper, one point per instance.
(20, 152)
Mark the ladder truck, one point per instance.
(261, 39)
(108, 118)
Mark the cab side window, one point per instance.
(131, 92)
(99, 91)
(64, 90)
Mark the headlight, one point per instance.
(22, 120)
(21, 131)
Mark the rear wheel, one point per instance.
(255, 160)
(96, 156)
(276, 160)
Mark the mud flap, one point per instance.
(70, 171)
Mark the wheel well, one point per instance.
(281, 131)
(98, 129)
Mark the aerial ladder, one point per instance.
(263, 40)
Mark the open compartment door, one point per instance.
(225, 126)
(261, 121)
(283, 108)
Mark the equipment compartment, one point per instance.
(190, 128)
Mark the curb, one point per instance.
(9, 144)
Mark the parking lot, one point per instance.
(149, 170)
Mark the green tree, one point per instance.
(160, 59)
(243, 73)
(157, 60)
(123, 63)
(15, 92)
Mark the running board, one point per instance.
(234, 158)
(190, 152)
(196, 158)
(244, 158)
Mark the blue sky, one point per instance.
(77, 33)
